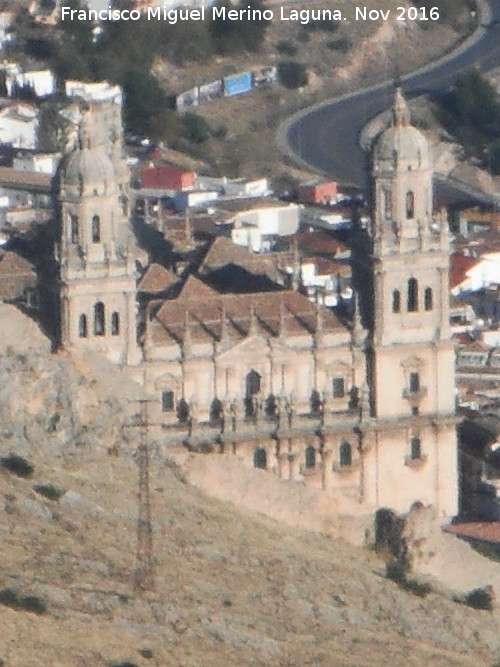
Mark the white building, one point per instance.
(18, 124)
(42, 82)
(101, 91)
(5, 32)
(41, 163)
(483, 274)
(258, 223)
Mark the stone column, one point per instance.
(326, 473)
(271, 458)
(293, 460)
(282, 464)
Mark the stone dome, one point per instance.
(400, 146)
(88, 169)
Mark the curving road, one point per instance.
(325, 138)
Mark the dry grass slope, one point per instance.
(231, 588)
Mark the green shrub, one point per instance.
(342, 44)
(480, 598)
(322, 25)
(287, 48)
(17, 465)
(8, 598)
(196, 128)
(417, 588)
(49, 491)
(396, 571)
(292, 74)
(31, 603)
(470, 111)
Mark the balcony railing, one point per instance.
(414, 394)
(343, 468)
(416, 462)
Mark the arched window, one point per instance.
(315, 402)
(82, 326)
(75, 231)
(115, 324)
(99, 319)
(310, 457)
(167, 401)
(271, 406)
(415, 448)
(414, 382)
(428, 301)
(183, 411)
(412, 306)
(260, 458)
(396, 301)
(253, 381)
(96, 229)
(338, 387)
(345, 454)
(410, 205)
(216, 411)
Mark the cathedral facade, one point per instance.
(364, 409)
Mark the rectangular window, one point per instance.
(167, 401)
(414, 382)
(75, 234)
(338, 388)
(415, 449)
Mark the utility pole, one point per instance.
(144, 568)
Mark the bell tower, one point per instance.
(411, 355)
(97, 252)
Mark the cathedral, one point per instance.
(363, 409)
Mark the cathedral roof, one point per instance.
(400, 145)
(194, 289)
(223, 251)
(228, 315)
(157, 279)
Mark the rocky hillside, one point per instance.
(231, 587)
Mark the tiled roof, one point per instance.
(224, 252)
(167, 177)
(459, 265)
(237, 316)
(476, 346)
(16, 273)
(318, 242)
(328, 267)
(195, 289)
(25, 180)
(463, 338)
(157, 279)
(478, 530)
